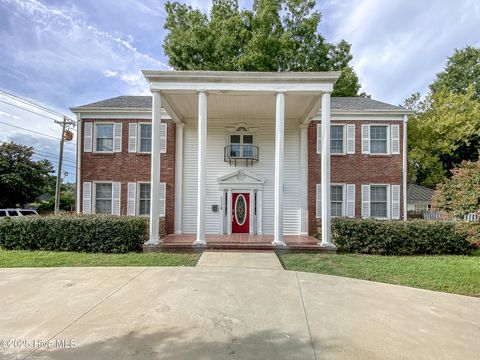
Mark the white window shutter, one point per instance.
(350, 138)
(319, 138)
(163, 193)
(117, 137)
(319, 201)
(395, 135)
(132, 137)
(350, 208)
(131, 198)
(87, 137)
(365, 139)
(163, 138)
(365, 201)
(87, 198)
(116, 189)
(395, 202)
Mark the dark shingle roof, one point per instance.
(419, 193)
(121, 102)
(337, 104)
(360, 103)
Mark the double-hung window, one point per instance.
(379, 201)
(336, 200)
(143, 199)
(104, 137)
(378, 139)
(103, 198)
(337, 139)
(145, 143)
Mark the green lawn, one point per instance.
(453, 274)
(20, 258)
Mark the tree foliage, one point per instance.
(22, 179)
(460, 194)
(462, 70)
(445, 127)
(275, 35)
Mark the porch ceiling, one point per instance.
(241, 95)
(242, 105)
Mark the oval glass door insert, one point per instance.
(240, 209)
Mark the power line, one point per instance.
(38, 157)
(32, 131)
(53, 156)
(5, 93)
(33, 112)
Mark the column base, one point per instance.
(279, 243)
(200, 242)
(153, 242)
(327, 246)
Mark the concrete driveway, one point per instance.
(222, 310)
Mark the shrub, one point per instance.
(107, 234)
(399, 238)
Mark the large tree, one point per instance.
(445, 127)
(22, 179)
(459, 195)
(461, 71)
(275, 35)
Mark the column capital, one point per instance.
(303, 126)
(180, 125)
(202, 91)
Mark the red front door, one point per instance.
(240, 213)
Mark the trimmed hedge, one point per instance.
(95, 233)
(400, 238)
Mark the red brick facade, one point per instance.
(355, 168)
(127, 167)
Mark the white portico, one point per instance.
(241, 151)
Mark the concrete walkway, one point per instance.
(226, 312)
(250, 260)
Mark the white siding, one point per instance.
(217, 138)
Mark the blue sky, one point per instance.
(63, 53)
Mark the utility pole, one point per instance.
(64, 123)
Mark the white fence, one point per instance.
(437, 215)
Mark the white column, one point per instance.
(201, 168)
(304, 179)
(178, 177)
(155, 169)
(79, 163)
(279, 141)
(405, 166)
(325, 169)
(229, 211)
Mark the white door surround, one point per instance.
(241, 181)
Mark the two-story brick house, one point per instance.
(241, 152)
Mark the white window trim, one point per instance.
(94, 195)
(139, 137)
(389, 150)
(241, 133)
(137, 200)
(344, 198)
(344, 141)
(95, 136)
(389, 202)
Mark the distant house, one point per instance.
(419, 198)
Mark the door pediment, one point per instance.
(239, 178)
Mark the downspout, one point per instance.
(405, 166)
(79, 161)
